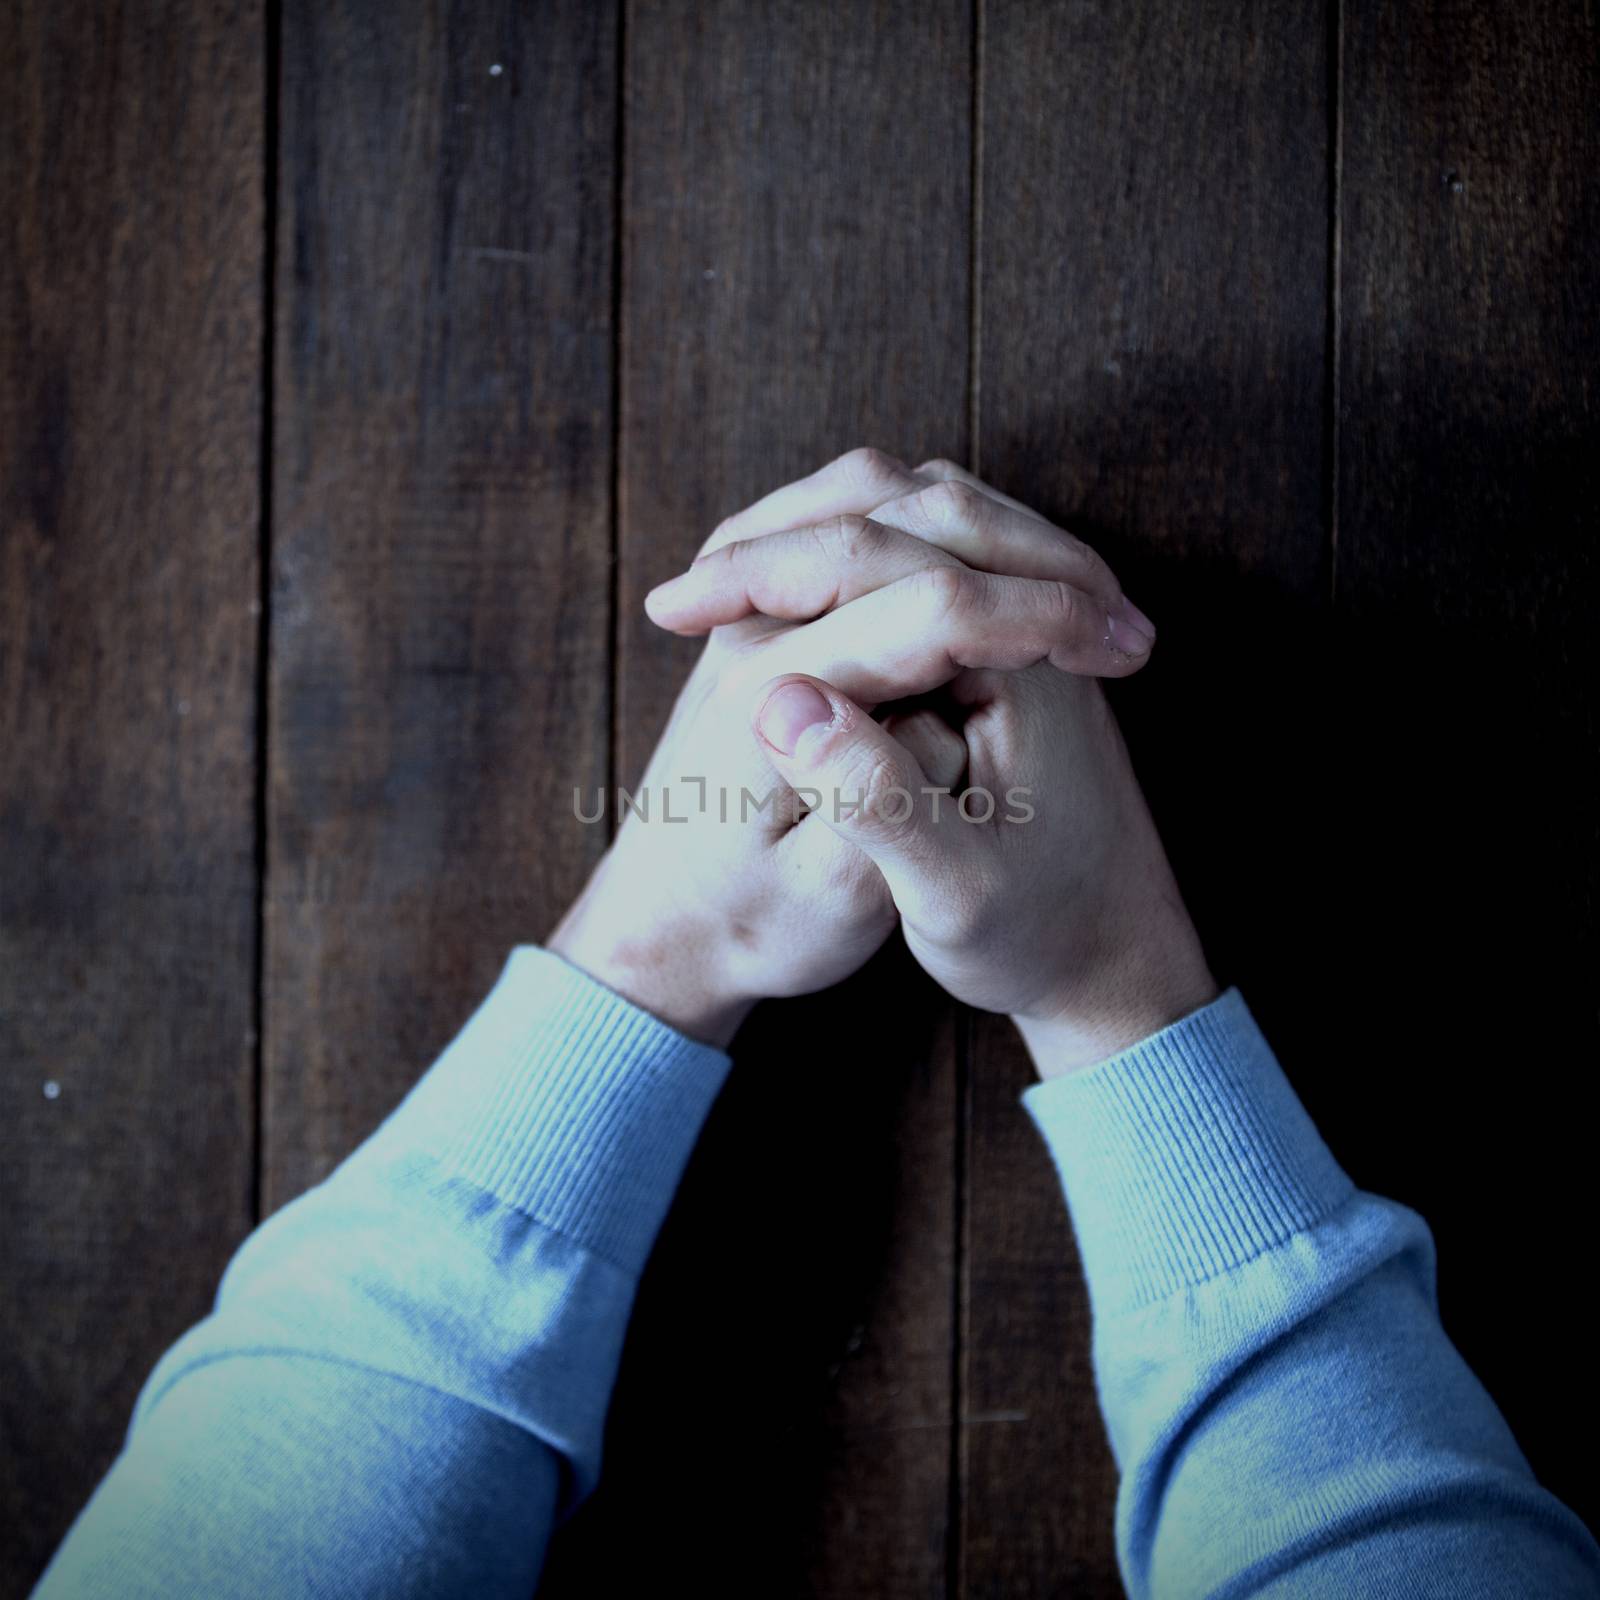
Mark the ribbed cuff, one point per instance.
(1184, 1156)
(584, 1108)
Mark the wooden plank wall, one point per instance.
(779, 303)
(1466, 490)
(362, 367)
(440, 539)
(1152, 281)
(131, 303)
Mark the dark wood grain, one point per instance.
(796, 236)
(1153, 288)
(441, 532)
(1470, 326)
(1292, 309)
(130, 349)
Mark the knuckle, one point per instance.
(869, 467)
(729, 553)
(950, 502)
(1068, 608)
(948, 591)
(885, 799)
(849, 538)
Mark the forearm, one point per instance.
(417, 1355)
(1287, 1411)
(264, 1477)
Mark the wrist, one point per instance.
(1157, 981)
(671, 971)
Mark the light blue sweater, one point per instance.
(404, 1382)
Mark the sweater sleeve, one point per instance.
(405, 1378)
(1288, 1415)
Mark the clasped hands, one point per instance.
(881, 641)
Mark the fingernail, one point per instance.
(1134, 615)
(1125, 637)
(789, 711)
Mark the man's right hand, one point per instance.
(1045, 891)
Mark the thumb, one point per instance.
(863, 784)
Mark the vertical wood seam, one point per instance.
(1334, 332)
(955, 1531)
(975, 243)
(614, 587)
(961, 1042)
(272, 22)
